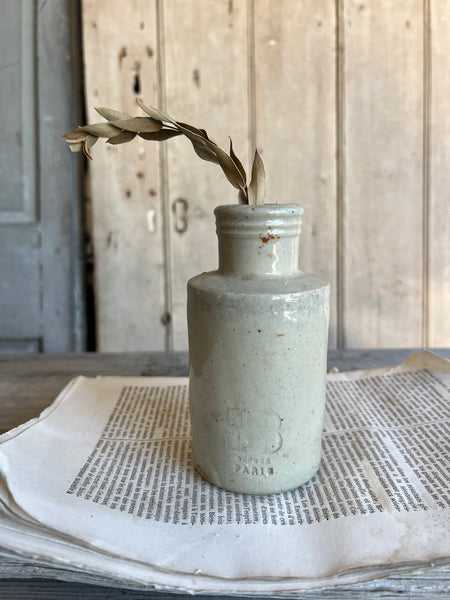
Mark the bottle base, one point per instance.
(257, 488)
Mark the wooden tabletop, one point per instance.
(29, 383)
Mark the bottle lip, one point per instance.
(237, 220)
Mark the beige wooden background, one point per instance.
(349, 104)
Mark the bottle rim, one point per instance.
(239, 220)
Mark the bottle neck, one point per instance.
(258, 240)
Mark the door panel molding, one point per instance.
(25, 137)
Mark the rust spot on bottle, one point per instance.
(269, 236)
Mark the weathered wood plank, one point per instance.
(295, 122)
(206, 85)
(60, 182)
(430, 585)
(383, 156)
(284, 88)
(439, 200)
(29, 383)
(121, 64)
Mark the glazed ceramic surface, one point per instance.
(257, 348)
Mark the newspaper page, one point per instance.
(108, 468)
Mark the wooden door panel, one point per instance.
(120, 43)
(347, 102)
(17, 114)
(295, 128)
(438, 266)
(206, 79)
(41, 286)
(383, 129)
(20, 290)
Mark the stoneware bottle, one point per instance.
(257, 351)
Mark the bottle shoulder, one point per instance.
(214, 282)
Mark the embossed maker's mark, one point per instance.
(256, 431)
(253, 470)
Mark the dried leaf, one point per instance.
(211, 152)
(257, 187)
(204, 152)
(229, 168)
(86, 151)
(77, 141)
(91, 140)
(160, 136)
(207, 136)
(112, 115)
(139, 124)
(87, 144)
(76, 147)
(203, 147)
(105, 130)
(75, 135)
(125, 136)
(237, 163)
(155, 113)
(242, 196)
(192, 133)
(190, 130)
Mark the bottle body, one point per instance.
(257, 347)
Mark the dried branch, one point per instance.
(120, 128)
